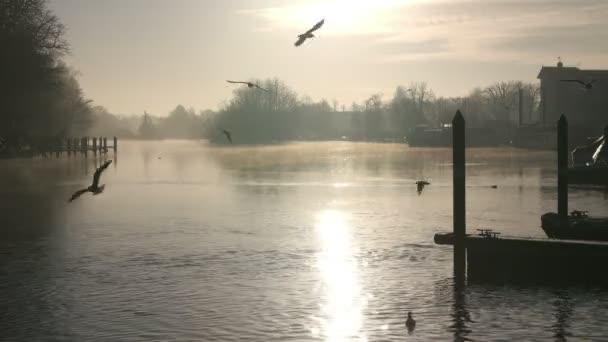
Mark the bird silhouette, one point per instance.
(420, 186)
(94, 188)
(249, 84)
(227, 134)
(410, 323)
(308, 34)
(585, 85)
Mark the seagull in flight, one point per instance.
(308, 34)
(586, 85)
(93, 188)
(228, 135)
(420, 186)
(249, 84)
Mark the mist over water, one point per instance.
(323, 241)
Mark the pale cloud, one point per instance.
(474, 30)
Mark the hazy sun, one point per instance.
(341, 16)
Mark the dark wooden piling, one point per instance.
(562, 169)
(105, 145)
(521, 106)
(86, 146)
(57, 145)
(490, 257)
(94, 145)
(115, 146)
(69, 146)
(458, 157)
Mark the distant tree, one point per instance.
(407, 107)
(39, 96)
(147, 129)
(105, 123)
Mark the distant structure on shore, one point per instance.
(586, 108)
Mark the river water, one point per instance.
(299, 242)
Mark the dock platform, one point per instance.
(509, 258)
(489, 255)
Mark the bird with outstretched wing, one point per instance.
(227, 134)
(94, 187)
(249, 84)
(420, 186)
(309, 34)
(586, 85)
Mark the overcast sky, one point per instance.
(136, 55)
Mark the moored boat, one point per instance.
(590, 163)
(580, 226)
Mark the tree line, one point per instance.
(40, 98)
(280, 114)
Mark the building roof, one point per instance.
(552, 71)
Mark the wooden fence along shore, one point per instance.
(71, 146)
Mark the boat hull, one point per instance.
(588, 175)
(578, 228)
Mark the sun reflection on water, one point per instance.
(341, 304)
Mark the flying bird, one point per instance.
(308, 34)
(420, 186)
(410, 323)
(228, 135)
(249, 84)
(585, 85)
(93, 188)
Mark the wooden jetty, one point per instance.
(74, 146)
(490, 256)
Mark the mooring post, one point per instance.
(86, 146)
(562, 169)
(69, 146)
(57, 147)
(521, 106)
(105, 145)
(115, 146)
(94, 145)
(458, 159)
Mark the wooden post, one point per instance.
(562, 169)
(521, 107)
(94, 145)
(86, 146)
(105, 145)
(57, 144)
(458, 156)
(115, 144)
(69, 146)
